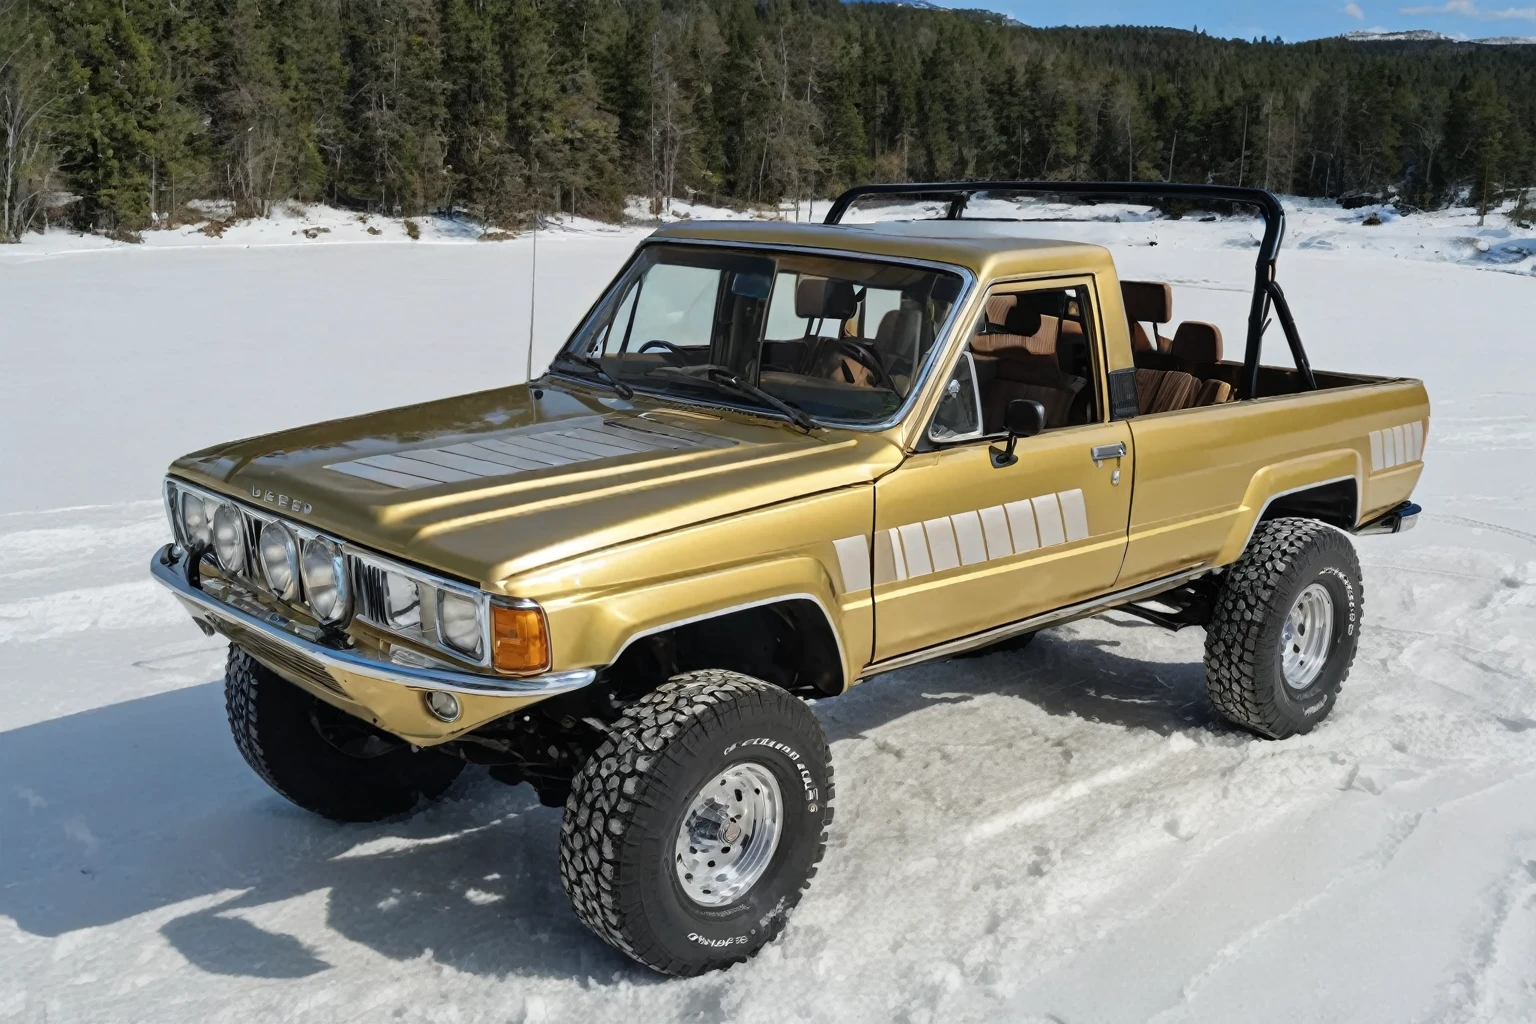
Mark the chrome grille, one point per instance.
(368, 586)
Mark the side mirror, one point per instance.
(1023, 417)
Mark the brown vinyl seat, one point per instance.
(1177, 390)
(1196, 345)
(1147, 302)
(1214, 392)
(1016, 357)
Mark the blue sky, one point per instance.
(1289, 19)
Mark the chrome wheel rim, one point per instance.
(1307, 637)
(729, 834)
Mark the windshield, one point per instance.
(833, 338)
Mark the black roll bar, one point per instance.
(1266, 289)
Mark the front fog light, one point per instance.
(458, 623)
(443, 706)
(325, 579)
(280, 560)
(196, 519)
(229, 538)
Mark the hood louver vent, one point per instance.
(517, 452)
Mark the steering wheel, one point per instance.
(865, 354)
(671, 352)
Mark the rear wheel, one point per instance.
(1283, 634)
(322, 758)
(692, 831)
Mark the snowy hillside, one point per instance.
(1065, 834)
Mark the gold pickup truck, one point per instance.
(772, 461)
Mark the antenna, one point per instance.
(533, 277)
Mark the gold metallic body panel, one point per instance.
(1203, 476)
(961, 546)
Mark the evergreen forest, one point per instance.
(115, 113)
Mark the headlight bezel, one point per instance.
(363, 574)
(370, 604)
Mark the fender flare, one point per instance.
(633, 615)
(1285, 478)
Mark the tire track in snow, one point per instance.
(1377, 860)
(1047, 805)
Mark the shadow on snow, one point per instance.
(140, 807)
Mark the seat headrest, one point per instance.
(898, 332)
(820, 298)
(1147, 301)
(1196, 342)
(1007, 315)
(998, 307)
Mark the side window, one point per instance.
(1036, 345)
(959, 414)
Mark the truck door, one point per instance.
(961, 545)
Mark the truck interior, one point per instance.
(1178, 365)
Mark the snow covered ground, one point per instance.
(1065, 834)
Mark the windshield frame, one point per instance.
(938, 355)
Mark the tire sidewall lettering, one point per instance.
(1313, 703)
(811, 791)
(743, 924)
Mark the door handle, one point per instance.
(1109, 451)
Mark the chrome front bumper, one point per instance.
(272, 639)
(1399, 520)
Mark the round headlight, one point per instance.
(280, 560)
(196, 519)
(325, 579)
(458, 623)
(229, 538)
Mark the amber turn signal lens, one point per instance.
(519, 639)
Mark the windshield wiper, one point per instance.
(724, 379)
(595, 368)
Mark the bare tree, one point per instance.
(27, 166)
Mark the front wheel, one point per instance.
(693, 829)
(322, 758)
(1283, 634)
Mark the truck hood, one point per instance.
(490, 485)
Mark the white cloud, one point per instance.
(1469, 9)
(1354, 11)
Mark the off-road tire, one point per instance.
(628, 802)
(273, 722)
(1242, 646)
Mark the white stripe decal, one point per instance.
(1021, 521)
(994, 525)
(1074, 514)
(973, 548)
(941, 544)
(1048, 516)
(915, 547)
(1396, 446)
(853, 559)
(897, 554)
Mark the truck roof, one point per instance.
(989, 249)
